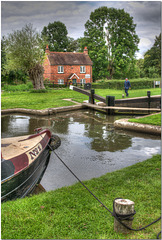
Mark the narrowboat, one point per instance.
(24, 160)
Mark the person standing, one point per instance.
(127, 85)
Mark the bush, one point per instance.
(20, 87)
(140, 83)
(39, 91)
(52, 85)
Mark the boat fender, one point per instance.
(55, 142)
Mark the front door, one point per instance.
(74, 81)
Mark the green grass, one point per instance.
(132, 93)
(54, 98)
(72, 213)
(28, 100)
(151, 119)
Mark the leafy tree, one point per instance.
(111, 41)
(152, 58)
(24, 52)
(3, 55)
(56, 36)
(73, 45)
(140, 68)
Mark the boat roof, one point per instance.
(12, 147)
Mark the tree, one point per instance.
(152, 58)
(3, 55)
(56, 36)
(73, 45)
(24, 52)
(111, 34)
(140, 68)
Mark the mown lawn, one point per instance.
(151, 119)
(54, 98)
(72, 213)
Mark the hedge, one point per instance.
(119, 84)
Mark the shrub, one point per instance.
(20, 87)
(140, 83)
(39, 91)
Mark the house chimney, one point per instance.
(85, 51)
(47, 50)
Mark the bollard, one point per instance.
(110, 101)
(91, 98)
(123, 207)
(149, 95)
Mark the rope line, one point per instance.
(114, 214)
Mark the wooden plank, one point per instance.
(122, 108)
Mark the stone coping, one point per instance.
(138, 127)
(45, 112)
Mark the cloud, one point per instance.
(74, 14)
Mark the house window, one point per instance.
(82, 69)
(60, 81)
(60, 69)
(82, 81)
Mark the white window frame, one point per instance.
(82, 69)
(60, 69)
(61, 81)
(82, 81)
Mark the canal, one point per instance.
(90, 145)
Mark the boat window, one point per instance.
(7, 169)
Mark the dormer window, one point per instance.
(60, 69)
(82, 69)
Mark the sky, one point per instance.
(74, 14)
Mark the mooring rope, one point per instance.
(114, 214)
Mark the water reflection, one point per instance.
(90, 145)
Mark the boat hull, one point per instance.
(20, 173)
(24, 182)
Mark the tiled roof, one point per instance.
(69, 58)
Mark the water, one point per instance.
(90, 145)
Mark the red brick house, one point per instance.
(68, 67)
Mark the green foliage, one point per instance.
(24, 49)
(14, 77)
(152, 59)
(39, 91)
(112, 42)
(153, 72)
(73, 45)
(17, 88)
(118, 84)
(140, 73)
(24, 52)
(3, 56)
(72, 213)
(56, 36)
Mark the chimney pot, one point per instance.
(47, 49)
(85, 51)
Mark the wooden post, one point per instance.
(91, 98)
(110, 101)
(149, 95)
(123, 207)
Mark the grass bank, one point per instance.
(72, 213)
(54, 98)
(154, 119)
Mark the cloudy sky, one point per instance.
(74, 14)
